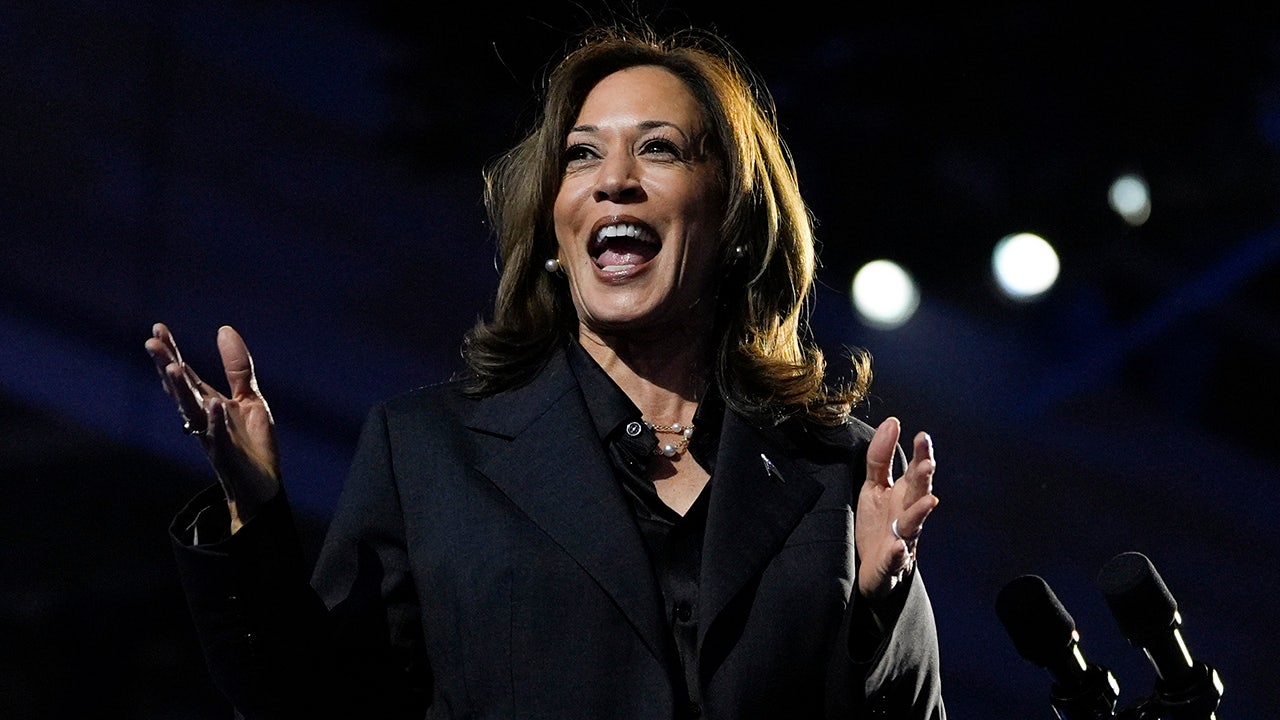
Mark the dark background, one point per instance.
(309, 172)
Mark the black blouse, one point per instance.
(674, 542)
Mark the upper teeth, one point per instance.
(620, 230)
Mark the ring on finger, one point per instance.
(910, 540)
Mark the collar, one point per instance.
(607, 404)
(611, 410)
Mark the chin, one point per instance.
(616, 323)
(667, 318)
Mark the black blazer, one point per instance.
(484, 563)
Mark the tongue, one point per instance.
(625, 251)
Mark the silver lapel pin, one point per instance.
(771, 469)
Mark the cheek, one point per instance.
(702, 258)
(562, 220)
(704, 232)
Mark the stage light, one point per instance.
(1130, 199)
(1025, 266)
(884, 294)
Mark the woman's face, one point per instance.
(639, 206)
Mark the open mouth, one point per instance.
(620, 246)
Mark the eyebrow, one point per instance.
(643, 125)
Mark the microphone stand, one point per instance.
(1197, 700)
(1094, 699)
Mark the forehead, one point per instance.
(640, 94)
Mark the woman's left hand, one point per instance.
(891, 513)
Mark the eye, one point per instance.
(578, 153)
(661, 146)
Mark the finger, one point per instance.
(922, 450)
(918, 479)
(161, 359)
(237, 363)
(911, 521)
(159, 353)
(880, 453)
(164, 351)
(901, 557)
(190, 403)
(217, 437)
(897, 560)
(161, 333)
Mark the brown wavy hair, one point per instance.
(766, 364)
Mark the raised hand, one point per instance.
(235, 430)
(891, 513)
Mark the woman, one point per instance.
(639, 503)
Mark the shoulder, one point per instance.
(443, 403)
(428, 397)
(850, 435)
(846, 441)
(505, 412)
(420, 428)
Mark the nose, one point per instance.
(618, 180)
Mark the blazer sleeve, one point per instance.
(886, 662)
(278, 647)
(900, 676)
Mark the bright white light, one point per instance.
(1130, 199)
(1024, 265)
(884, 294)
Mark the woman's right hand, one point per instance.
(236, 430)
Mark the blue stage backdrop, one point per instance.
(310, 172)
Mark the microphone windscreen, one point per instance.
(1141, 604)
(1039, 626)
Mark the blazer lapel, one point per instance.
(758, 496)
(556, 471)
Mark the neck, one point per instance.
(663, 376)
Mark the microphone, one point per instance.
(1044, 633)
(1149, 619)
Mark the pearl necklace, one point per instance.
(671, 449)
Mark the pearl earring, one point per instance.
(552, 265)
(739, 252)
